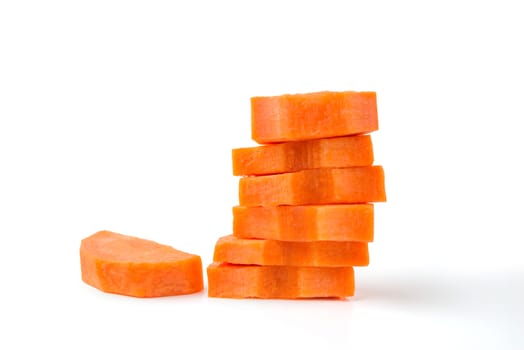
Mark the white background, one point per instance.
(121, 115)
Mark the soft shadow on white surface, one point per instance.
(457, 310)
(442, 288)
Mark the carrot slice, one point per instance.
(121, 264)
(236, 250)
(314, 186)
(337, 152)
(315, 115)
(336, 222)
(279, 282)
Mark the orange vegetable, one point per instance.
(336, 222)
(120, 264)
(312, 116)
(284, 282)
(337, 152)
(314, 186)
(236, 250)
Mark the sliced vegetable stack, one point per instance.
(305, 213)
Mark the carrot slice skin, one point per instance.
(132, 266)
(279, 282)
(236, 250)
(337, 152)
(314, 186)
(337, 222)
(294, 117)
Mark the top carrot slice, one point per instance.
(312, 115)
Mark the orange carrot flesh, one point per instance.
(294, 117)
(279, 282)
(337, 152)
(337, 222)
(236, 250)
(132, 266)
(314, 186)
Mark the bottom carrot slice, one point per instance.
(279, 282)
(236, 250)
(121, 264)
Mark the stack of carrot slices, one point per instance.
(305, 213)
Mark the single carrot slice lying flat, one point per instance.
(336, 222)
(337, 152)
(294, 117)
(236, 250)
(279, 282)
(314, 186)
(121, 264)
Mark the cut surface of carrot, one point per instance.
(336, 152)
(236, 250)
(132, 266)
(336, 222)
(314, 186)
(279, 282)
(315, 115)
